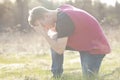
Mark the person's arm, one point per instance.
(64, 28)
(58, 45)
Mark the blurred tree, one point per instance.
(84, 4)
(2, 11)
(117, 11)
(22, 12)
(12, 14)
(78, 3)
(47, 3)
(99, 11)
(6, 16)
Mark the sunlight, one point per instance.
(109, 2)
(13, 1)
(1, 1)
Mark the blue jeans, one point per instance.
(90, 64)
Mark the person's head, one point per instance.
(42, 16)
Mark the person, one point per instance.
(70, 28)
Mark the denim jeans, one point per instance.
(90, 64)
(57, 63)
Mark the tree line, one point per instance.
(13, 15)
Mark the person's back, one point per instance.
(88, 35)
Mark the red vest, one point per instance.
(88, 34)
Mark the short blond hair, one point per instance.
(36, 14)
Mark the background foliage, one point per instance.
(13, 15)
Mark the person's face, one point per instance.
(47, 22)
(37, 26)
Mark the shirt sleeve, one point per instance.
(64, 25)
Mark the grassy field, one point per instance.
(35, 66)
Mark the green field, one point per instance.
(37, 67)
(30, 66)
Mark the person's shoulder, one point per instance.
(62, 15)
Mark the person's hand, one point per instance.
(52, 34)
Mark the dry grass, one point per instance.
(27, 58)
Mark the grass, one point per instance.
(29, 66)
(35, 66)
